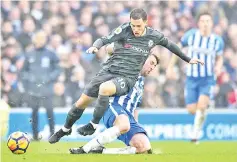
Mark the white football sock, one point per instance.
(198, 123)
(65, 129)
(125, 150)
(105, 137)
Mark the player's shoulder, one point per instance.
(140, 78)
(218, 38)
(123, 27)
(154, 32)
(140, 81)
(191, 31)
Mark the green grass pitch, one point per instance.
(167, 151)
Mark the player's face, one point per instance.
(149, 65)
(205, 23)
(138, 26)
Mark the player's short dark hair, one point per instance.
(138, 13)
(205, 12)
(157, 59)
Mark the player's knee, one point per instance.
(141, 143)
(191, 108)
(83, 101)
(107, 89)
(122, 122)
(203, 102)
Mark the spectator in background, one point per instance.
(55, 43)
(11, 86)
(59, 99)
(230, 8)
(25, 36)
(39, 73)
(223, 89)
(15, 18)
(6, 7)
(150, 96)
(7, 30)
(76, 83)
(24, 7)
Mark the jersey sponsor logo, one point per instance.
(140, 49)
(118, 30)
(136, 49)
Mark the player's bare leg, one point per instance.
(139, 144)
(121, 125)
(200, 115)
(73, 115)
(106, 90)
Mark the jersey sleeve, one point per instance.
(184, 39)
(117, 34)
(220, 47)
(160, 39)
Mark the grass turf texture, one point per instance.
(172, 151)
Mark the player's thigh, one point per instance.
(141, 142)
(135, 128)
(203, 102)
(92, 89)
(205, 91)
(111, 115)
(123, 85)
(84, 101)
(122, 122)
(107, 88)
(191, 99)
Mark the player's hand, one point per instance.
(196, 61)
(92, 50)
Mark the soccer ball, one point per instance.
(18, 142)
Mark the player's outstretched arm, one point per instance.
(177, 51)
(163, 41)
(116, 35)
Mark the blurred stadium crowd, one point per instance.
(73, 26)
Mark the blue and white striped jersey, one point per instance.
(204, 48)
(132, 100)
